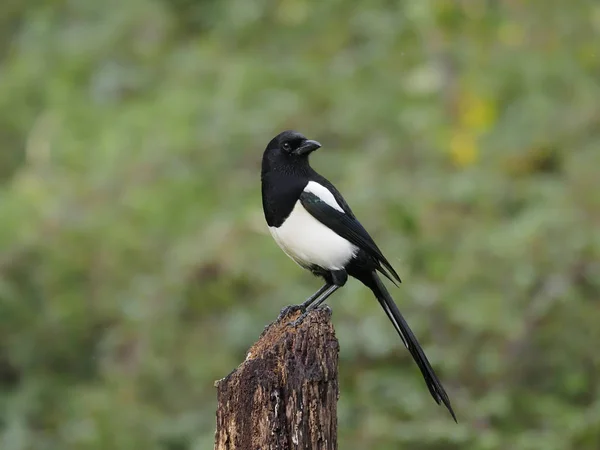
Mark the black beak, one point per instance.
(307, 147)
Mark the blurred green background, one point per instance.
(135, 266)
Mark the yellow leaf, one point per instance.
(463, 148)
(476, 113)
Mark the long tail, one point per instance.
(410, 341)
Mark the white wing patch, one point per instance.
(308, 242)
(323, 193)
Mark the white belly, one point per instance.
(308, 242)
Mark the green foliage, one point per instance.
(134, 265)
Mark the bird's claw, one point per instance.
(305, 312)
(288, 310)
(298, 321)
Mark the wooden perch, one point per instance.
(284, 395)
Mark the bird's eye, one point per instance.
(286, 146)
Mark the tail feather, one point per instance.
(386, 274)
(410, 341)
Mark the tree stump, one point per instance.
(284, 395)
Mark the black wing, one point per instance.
(336, 194)
(349, 228)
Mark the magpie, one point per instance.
(312, 223)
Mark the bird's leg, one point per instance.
(338, 278)
(304, 306)
(330, 290)
(313, 297)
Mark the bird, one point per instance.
(313, 224)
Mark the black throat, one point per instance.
(282, 184)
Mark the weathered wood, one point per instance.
(284, 395)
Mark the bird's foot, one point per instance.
(299, 320)
(305, 313)
(288, 310)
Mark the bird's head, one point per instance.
(290, 147)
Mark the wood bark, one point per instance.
(284, 395)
